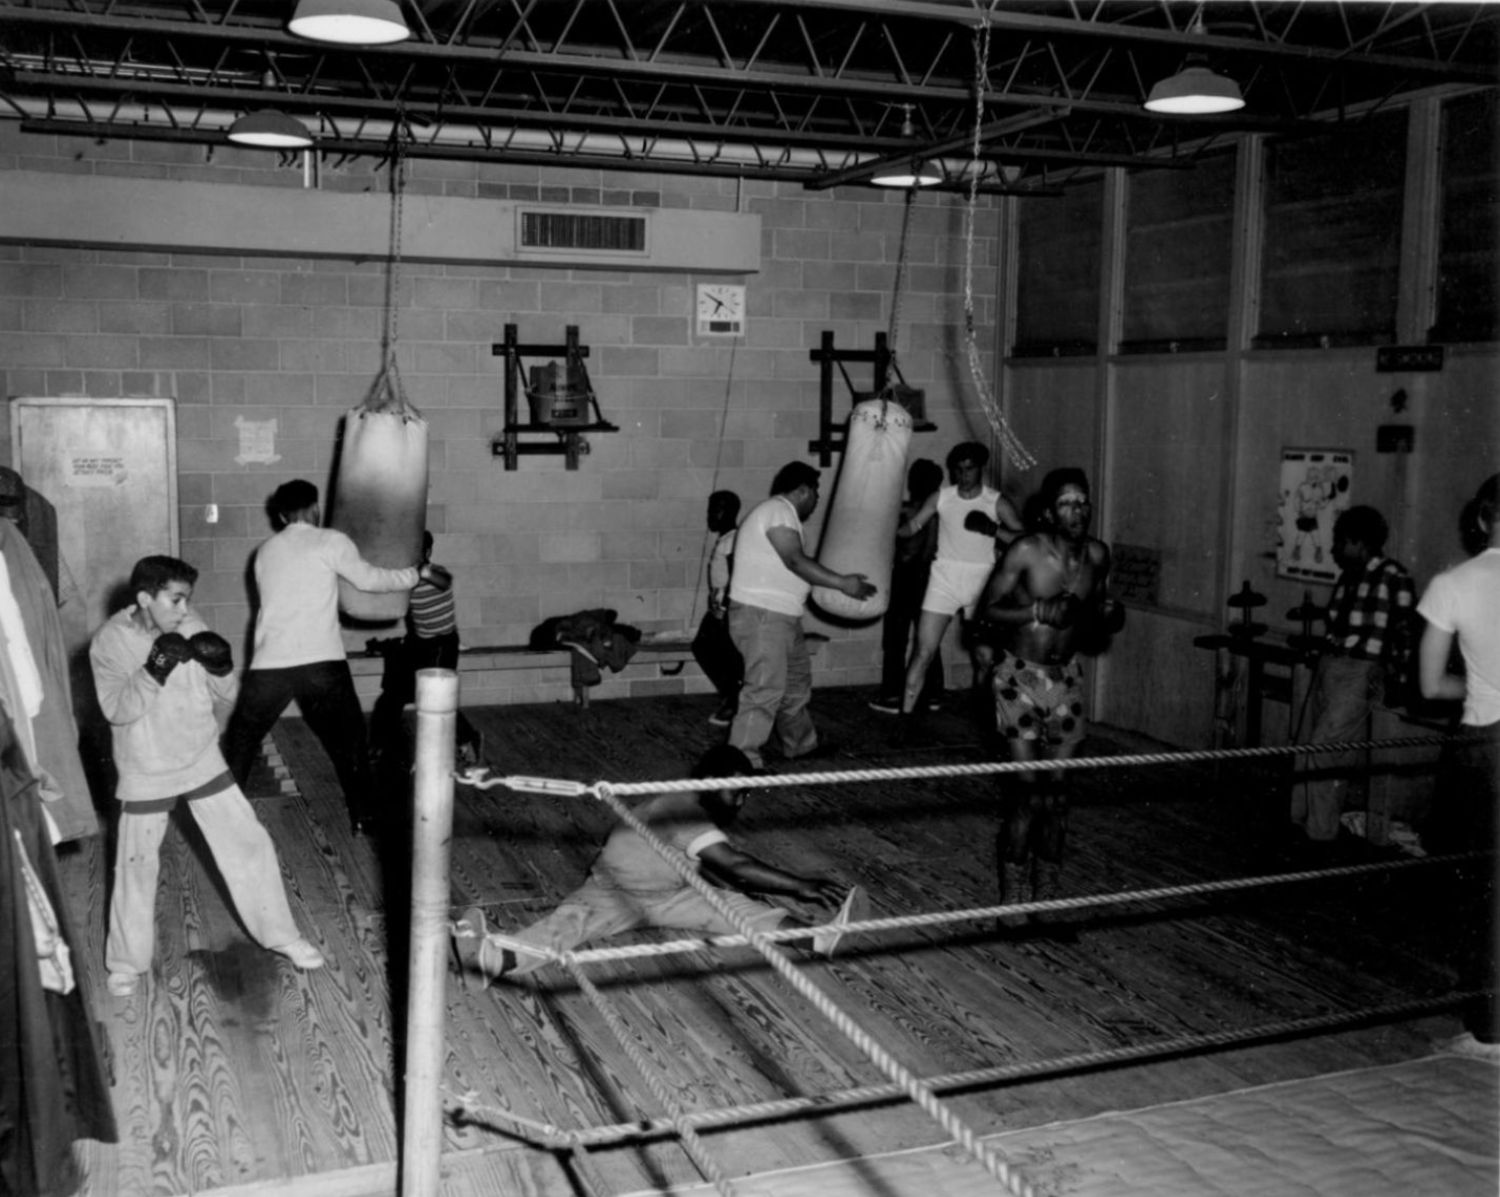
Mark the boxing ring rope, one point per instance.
(940, 918)
(760, 781)
(436, 722)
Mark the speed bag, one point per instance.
(380, 502)
(859, 534)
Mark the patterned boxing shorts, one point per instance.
(1040, 703)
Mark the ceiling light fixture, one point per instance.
(909, 171)
(1195, 90)
(349, 22)
(268, 129)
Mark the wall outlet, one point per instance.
(211, 513)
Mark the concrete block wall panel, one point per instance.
(244, 341)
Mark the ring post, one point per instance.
(432, 839)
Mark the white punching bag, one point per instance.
(859, 534)
(380, 501)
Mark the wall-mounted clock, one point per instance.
(720, 309)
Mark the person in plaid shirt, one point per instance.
(1367, 650)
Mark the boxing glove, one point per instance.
(1059, 611)
(168, 651)
(977, 521)
(1112, 615)
(212, 651)
(436, 575)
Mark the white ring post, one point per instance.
(432, 838)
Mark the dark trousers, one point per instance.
(398, 686)
(325, 694)
(1463, 819)
(899, 631)
(718, 658)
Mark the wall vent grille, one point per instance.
(573, 231)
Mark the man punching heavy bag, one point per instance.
(380, 500)
(859, 535)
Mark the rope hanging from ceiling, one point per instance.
(1015, 451)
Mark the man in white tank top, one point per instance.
(767, 592)
(973, 519)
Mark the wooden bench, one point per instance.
(669, 656)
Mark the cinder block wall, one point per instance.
(235, 338)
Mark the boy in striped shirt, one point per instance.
(431, 643)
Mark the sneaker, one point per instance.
(934, 704)
(472, 935)
(302, 954)
(855, 909)
(122, 984)
(1465, 1045)
(886, 706)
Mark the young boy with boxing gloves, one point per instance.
(159, 673)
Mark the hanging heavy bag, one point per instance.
(859, 533)
(380, 500)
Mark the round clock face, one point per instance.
(721, 308)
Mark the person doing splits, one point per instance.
(970, 516)
(631, 885)
(160, 674)
(1045, 598)
(768, 590)
(298, 651)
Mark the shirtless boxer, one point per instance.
(1046, 596)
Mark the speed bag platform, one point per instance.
(380, 502)
(859, 534)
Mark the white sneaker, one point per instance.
(855, 909)
(1475, 1049)
(302, 954)
(122, 984)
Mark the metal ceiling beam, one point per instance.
(235, 97)
(382, 149)
(965, 12)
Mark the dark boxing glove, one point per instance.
(1111, 615)
(168, 651)
(1059, 611)
(436, 575)
(213, 653)
(977, 521)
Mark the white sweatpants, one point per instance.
(241, 849)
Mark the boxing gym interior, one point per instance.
(1238, 262)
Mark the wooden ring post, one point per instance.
(432, 840)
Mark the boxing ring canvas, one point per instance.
(1423, 1126)
(1315, 488)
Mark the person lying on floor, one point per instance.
(630, 885)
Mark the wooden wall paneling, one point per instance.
(1054, 410)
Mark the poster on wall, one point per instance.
(1315, 487)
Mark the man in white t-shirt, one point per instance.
(1463, 604)
(767, 594)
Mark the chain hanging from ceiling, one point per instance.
(1015, 451)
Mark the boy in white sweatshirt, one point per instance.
(159, 672)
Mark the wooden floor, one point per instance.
(233, 1071)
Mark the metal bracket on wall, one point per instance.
(566, 413)
(831, 434)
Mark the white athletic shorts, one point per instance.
(955, 586)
